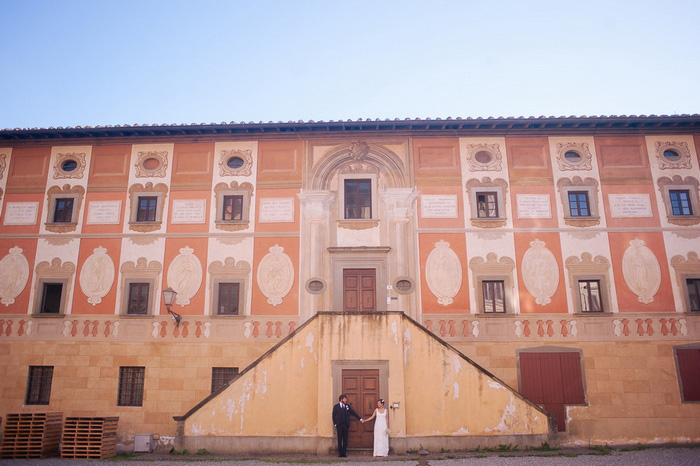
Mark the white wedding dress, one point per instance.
(381, 436)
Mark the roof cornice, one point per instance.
(460, 127)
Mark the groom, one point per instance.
(341, 421)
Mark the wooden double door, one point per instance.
(359, 290)
(362, 389)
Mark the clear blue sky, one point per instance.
(104, 62)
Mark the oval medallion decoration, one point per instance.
(641, 271)
(14, 272)
(540, 272)
(185, 275)
(97, 275)
(443, 273)
(275, 275)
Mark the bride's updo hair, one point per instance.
(381, 400)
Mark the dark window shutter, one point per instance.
(689, 370)
(572, 379)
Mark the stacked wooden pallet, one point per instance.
(31, 435)
(89, 437)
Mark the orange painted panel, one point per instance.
(626, 299)
(23, 229)
(436, 158)
(80, 301)
(534, 222)
(104, 196)
(632, 222)
(442, 222)
(290, 303)
(280, 160)
(192, 164)
(527, 301)
(109, 166)
(29, 167)
(189, 227)
(277, 226)
(197, 305)
(28, 246)
(528, 158)
(623, 158)
(426, 243)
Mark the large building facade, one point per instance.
(495, 280)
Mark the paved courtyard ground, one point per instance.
(635, 455)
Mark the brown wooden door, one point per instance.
(362, 389)
(359, 290)
(552, 380)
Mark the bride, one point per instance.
(381, 429)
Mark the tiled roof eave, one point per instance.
(419, 127)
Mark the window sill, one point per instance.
(594, 314)
(582, 222)
(488, 222)
(232, 225)
(496, 315)
(145, 227)
(46, 315)
(60, 227)
(358, 224)
(684, 220)
(227, 316)
(136, 316)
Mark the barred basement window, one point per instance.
(131, 381)
(39, 385)
(220, 376)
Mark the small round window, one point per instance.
(672, 155)
(403, 285)
(69, 165)
(483, 157)
(573, 157)
(235, 162)
(151, 163)
(315, 286)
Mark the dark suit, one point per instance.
(341, 420)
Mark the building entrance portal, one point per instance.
(362, 389)
(359, 290)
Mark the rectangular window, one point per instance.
(689, 373)
(494, 296)
(487, 205)
(220, 376)
(358, 199)
(578, 204)
(553, 380)
(39, 385)
(138, 299)
(51, 294)
(228, 299)
(233, 208)
(147, 209)
(63, 210)
(131, 386)
(680, 202)
(589, 296)
(693, 285)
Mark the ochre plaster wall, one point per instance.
(428, 378)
